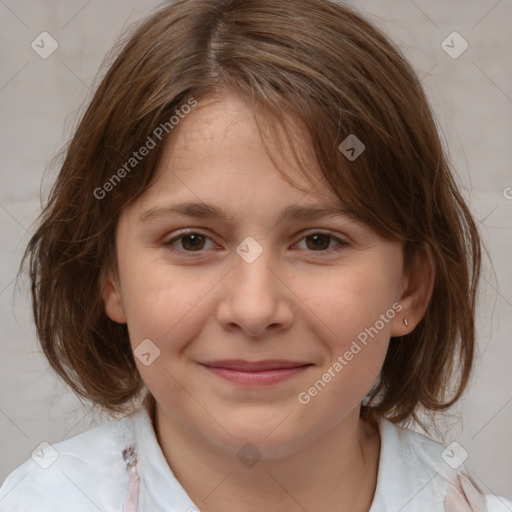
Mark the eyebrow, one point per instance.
(201, 210)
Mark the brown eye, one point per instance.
(319, 241)
(196, 242)
(190, 242)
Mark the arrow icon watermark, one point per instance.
(44, 45)
(249, 249)
(147, 352)
(352, 147)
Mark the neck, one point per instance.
(337, 471)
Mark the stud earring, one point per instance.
(406, 322)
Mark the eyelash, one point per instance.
(342, 243)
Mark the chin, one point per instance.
(272, 437)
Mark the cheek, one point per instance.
(348, 302)
(353, 321)
(351, 311)
(166, 306)
(160, 301)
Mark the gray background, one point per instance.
(39, 103)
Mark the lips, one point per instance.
(256, 373)
(256, 366)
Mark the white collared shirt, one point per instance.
(88, 473)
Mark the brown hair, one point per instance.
(322, 65)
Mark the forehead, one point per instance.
(220, 146)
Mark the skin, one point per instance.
(292, 302)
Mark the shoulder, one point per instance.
(80, 471)
(425, 474)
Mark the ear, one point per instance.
(114, 307)
(416, 291)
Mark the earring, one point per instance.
(406, 322)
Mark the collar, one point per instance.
(410, 473)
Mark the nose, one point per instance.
(256, 297)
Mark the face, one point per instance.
(258, 326)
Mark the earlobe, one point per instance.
(114, 307)
(416, 293)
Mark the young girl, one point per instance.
(255, 251)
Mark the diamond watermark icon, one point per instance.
(147, 352)
(351, 147)
(454, 455)
(44, 45)
(45, 455)
(454, 45)
(249, 249)
(249, 455)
